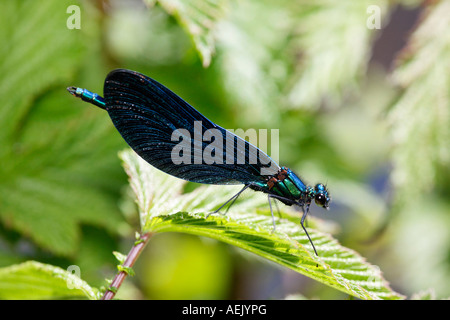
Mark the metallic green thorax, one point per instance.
(287, 187)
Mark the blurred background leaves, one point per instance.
(366, 111)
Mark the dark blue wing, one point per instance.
(146, 114)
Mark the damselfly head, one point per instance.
(321, 197)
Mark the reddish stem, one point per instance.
(129, 262)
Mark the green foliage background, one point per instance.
(378, 136)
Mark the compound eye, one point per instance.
(321, 200)
(322, 197)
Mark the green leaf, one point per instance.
(334, 42)
(163, 208)
(34, 53)
(250, 60)
(54, 173)
(199, 19)
(35, 280)
(420, 118)
(429, 294)
(119, 256)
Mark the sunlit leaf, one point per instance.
(54, 173)
(199, 19)
(163, 208)
(34, 280)
(333, 43)
(420, 119)
(249, 59)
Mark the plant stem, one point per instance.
(129, 262)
